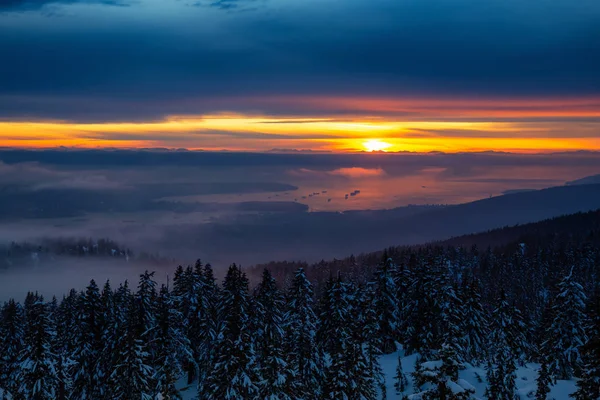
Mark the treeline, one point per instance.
(583, 226)
(17, 254)
(547, 247)
(272, 343)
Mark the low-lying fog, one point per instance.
(249, 208)
(58, 277)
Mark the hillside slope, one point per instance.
(310, 237)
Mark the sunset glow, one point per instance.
(363, 132)
(376, 145)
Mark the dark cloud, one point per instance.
(427, 48)
(29, 5)
(231, 5)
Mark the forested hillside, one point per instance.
(38, 253)
(580, 230)
(320, 331)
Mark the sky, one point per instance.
(327, 75)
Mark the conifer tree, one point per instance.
(328, 324)
(400, 381)
(403, 281)
(566, 334)
(132, 374)
(475, 325)
(172, 346)
(185, 298)
(208, 317)
(365, 370)
(386, 305)
(544, 381)
(88, 377)
(418, 376)
(349, 373)
(233, 374)
(366, 322)
(197, 310)
(145, 301)
(425, 325)
(338, 383)
(501, 371)
(11, 344)
(453, 321)
(65, 317)
(450, 362)
(109, 324)
(67, 321)
(37, 375)
(304, 357)
(277, 378)
(588, 386)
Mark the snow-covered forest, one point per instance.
(429, 322)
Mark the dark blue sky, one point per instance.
(144, 60)
(176, 49)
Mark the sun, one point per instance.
(375, 145)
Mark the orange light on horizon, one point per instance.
(240, 132)
(372, 145)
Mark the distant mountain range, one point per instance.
(313, 236)
(257, 238)
(588, 180)
(581, 229)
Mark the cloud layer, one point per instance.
(398, 60)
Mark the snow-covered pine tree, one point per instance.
(438, 379)
(37, 372)
(425, 322)
(338, 384)
(233, 375)
(542, 327)
(304, 357)
(67, 321)
(195, 291)
(183, 293)
(123, 302)
(501, 369)
(450, 362)
(475, 326)
(519, 345)
(11, 345)
(369, 330)
(145, 302)
(131, 377)
(386, 304)
(544, 381)
(588, 386)
(108, 323)
(567, 333)
(403, 281)
(172, 346)
(88, 377)
(400, 381)
(418, 375)
(208, 317)
(178, 285)
(65, 317)
(196, 314)
(328, 324)
(277, 377)
(349, 373)
(452, 324)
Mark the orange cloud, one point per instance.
(420, 125)
(357, 172)
(450, 108)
